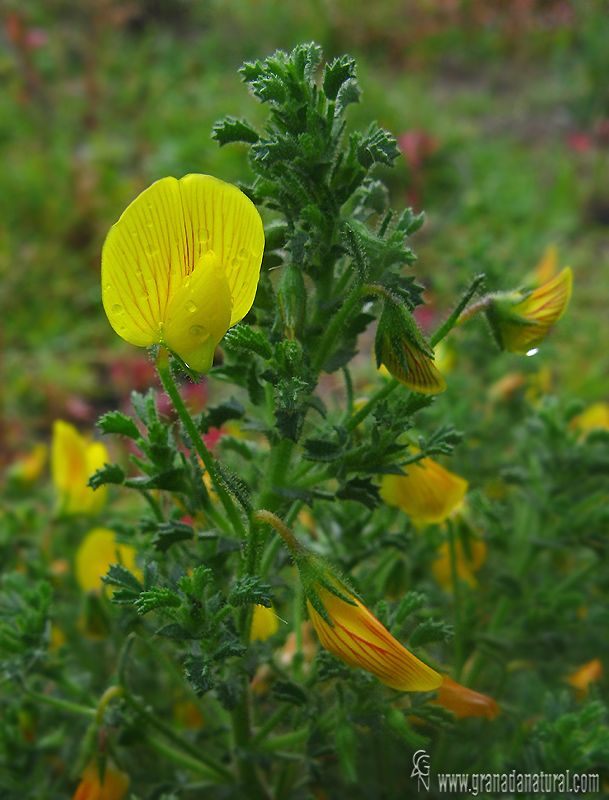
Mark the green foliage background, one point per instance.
(514, 109)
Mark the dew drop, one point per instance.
(144, 294)
(198, 331)
(186, 282)
(138, 270)
(150, 249)
(107, 287)
(243, 253)
(123, 328)
(235, 262)
(191, 306)
(203, 235)
(117, 308)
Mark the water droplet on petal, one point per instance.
(203, 236)
(191, 306)
(138, 270)
(144, 294)
(117, 309)
(123, 328)
(186, 282)
(235, 262)
(198, 331)
(151, 249)
(107, 287)
(243, 253)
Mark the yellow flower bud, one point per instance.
(357, 637)
(520, 325)
(182, 265)
(581, 679)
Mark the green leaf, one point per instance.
(127, 586)
(157, 598)
(116, 422)
(288, 692)
(108, 474)
(336, 74)
(169, 533)
(431, 631)
(198, 673)
(230, 130)
(361, 490)
(250, 591)
(244, 337)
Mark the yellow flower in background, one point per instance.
(97, 551)
(464, 702)
(357, 637)
(114, 786)
(181, 266)
(73, 460)
(594, 418)
(28, 468)
(428, 493)
(264, 623)
(581, 679)
(469, 561)
(521, 323)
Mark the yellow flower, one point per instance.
(464, 702)
(182, 265)
(595, 417)
(584, 676)
(264, 623)
(467, 562)
(97, 551)
(73, 460)
(358, 638)
(114, 786)
(520, 323)
(428, 493)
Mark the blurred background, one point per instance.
(501, 111)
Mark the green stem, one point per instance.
(186, 761)
(243, 741)
(156, 509)
(453, 319)
(167, 731)
(166, 377)
(382, 393)
(329, 337)
(64, 705)
(271, 723)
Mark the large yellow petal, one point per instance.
(145, 257)
(225, 220)
(199, 313)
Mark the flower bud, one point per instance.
(402, 349)
(292, 297)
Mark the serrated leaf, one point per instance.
(244, 337)
(229, 649)
(127, 586)
(198, 673)
(169, 533)
(336, 74)
(250, 591)
(361, 490)
(231, 130)
(108, 474)
(116, 422)
(174, 630)
(157, 598)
